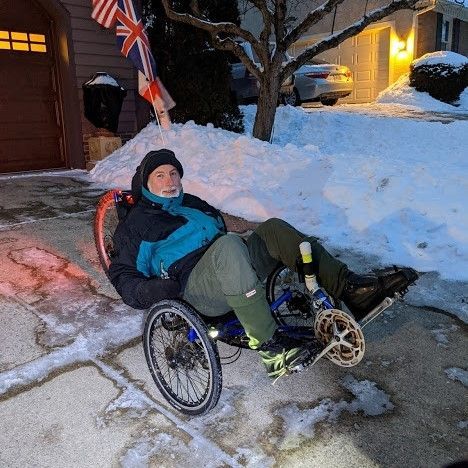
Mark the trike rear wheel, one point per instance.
(105, 224)
(297, 312)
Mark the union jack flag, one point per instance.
(104, 12)
(134, 44)
(132, 39)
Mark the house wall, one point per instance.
(427, 30)
(95, 50)
(346, 13)
(426, 40)
(463, 41)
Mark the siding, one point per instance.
(426, 40)
(463, 39)
(95, 50)
(347, 13)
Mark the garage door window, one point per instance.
(22, 41)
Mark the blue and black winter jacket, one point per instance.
(158, 244)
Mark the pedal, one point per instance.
(315, 348)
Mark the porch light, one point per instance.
(401, 46)
(400, 49)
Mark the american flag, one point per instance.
(104, 12)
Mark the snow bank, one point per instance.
(402, 93)
(385, 188)
(392, 188)
(444, 57)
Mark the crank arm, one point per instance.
(374, 313)
(333, 342)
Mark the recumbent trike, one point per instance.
(180, 344)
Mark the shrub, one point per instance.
(442, 81)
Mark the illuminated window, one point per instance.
(26, 42)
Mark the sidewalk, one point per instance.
(390, 110)
(75, 390)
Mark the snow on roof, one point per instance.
(441, 57)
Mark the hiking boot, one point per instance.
(363, 293)
(283, 355)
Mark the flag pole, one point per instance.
(156, 114)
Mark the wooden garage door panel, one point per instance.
(363, 39)
(363, 93)
(31, 135)
(361, 76)
(363, 58)
(16, 149)
(367, 55)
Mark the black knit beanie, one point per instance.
(155, 159)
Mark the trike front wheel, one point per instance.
(183, 360)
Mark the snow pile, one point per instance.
(392, 188)
(443, 57)
(102, 78)
(403, 94)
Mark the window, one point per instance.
(22, 41)
(445, 34)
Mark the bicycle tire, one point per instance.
(105, 223)
(187, 373)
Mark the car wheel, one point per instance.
(329, 102)
(292, 99)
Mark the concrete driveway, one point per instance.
(75, 390)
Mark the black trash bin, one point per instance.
(103, 97)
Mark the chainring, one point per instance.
(334, 324)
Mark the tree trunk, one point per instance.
(266, 107)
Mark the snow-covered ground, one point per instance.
(401, 93)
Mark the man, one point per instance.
(173, 244)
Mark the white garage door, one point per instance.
(367, 55)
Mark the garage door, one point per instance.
(367, 55)
(31, 134)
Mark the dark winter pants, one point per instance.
(229, 275)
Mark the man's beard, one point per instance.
(173, 192)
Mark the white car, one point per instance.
(244, 85)
(320, 81)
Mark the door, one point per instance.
(31, 129)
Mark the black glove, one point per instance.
(156, 289)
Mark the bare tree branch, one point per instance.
(332, 41)
(280, 17)
(213, 28)
(312, 18)
(268, 18)
(229, 45)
